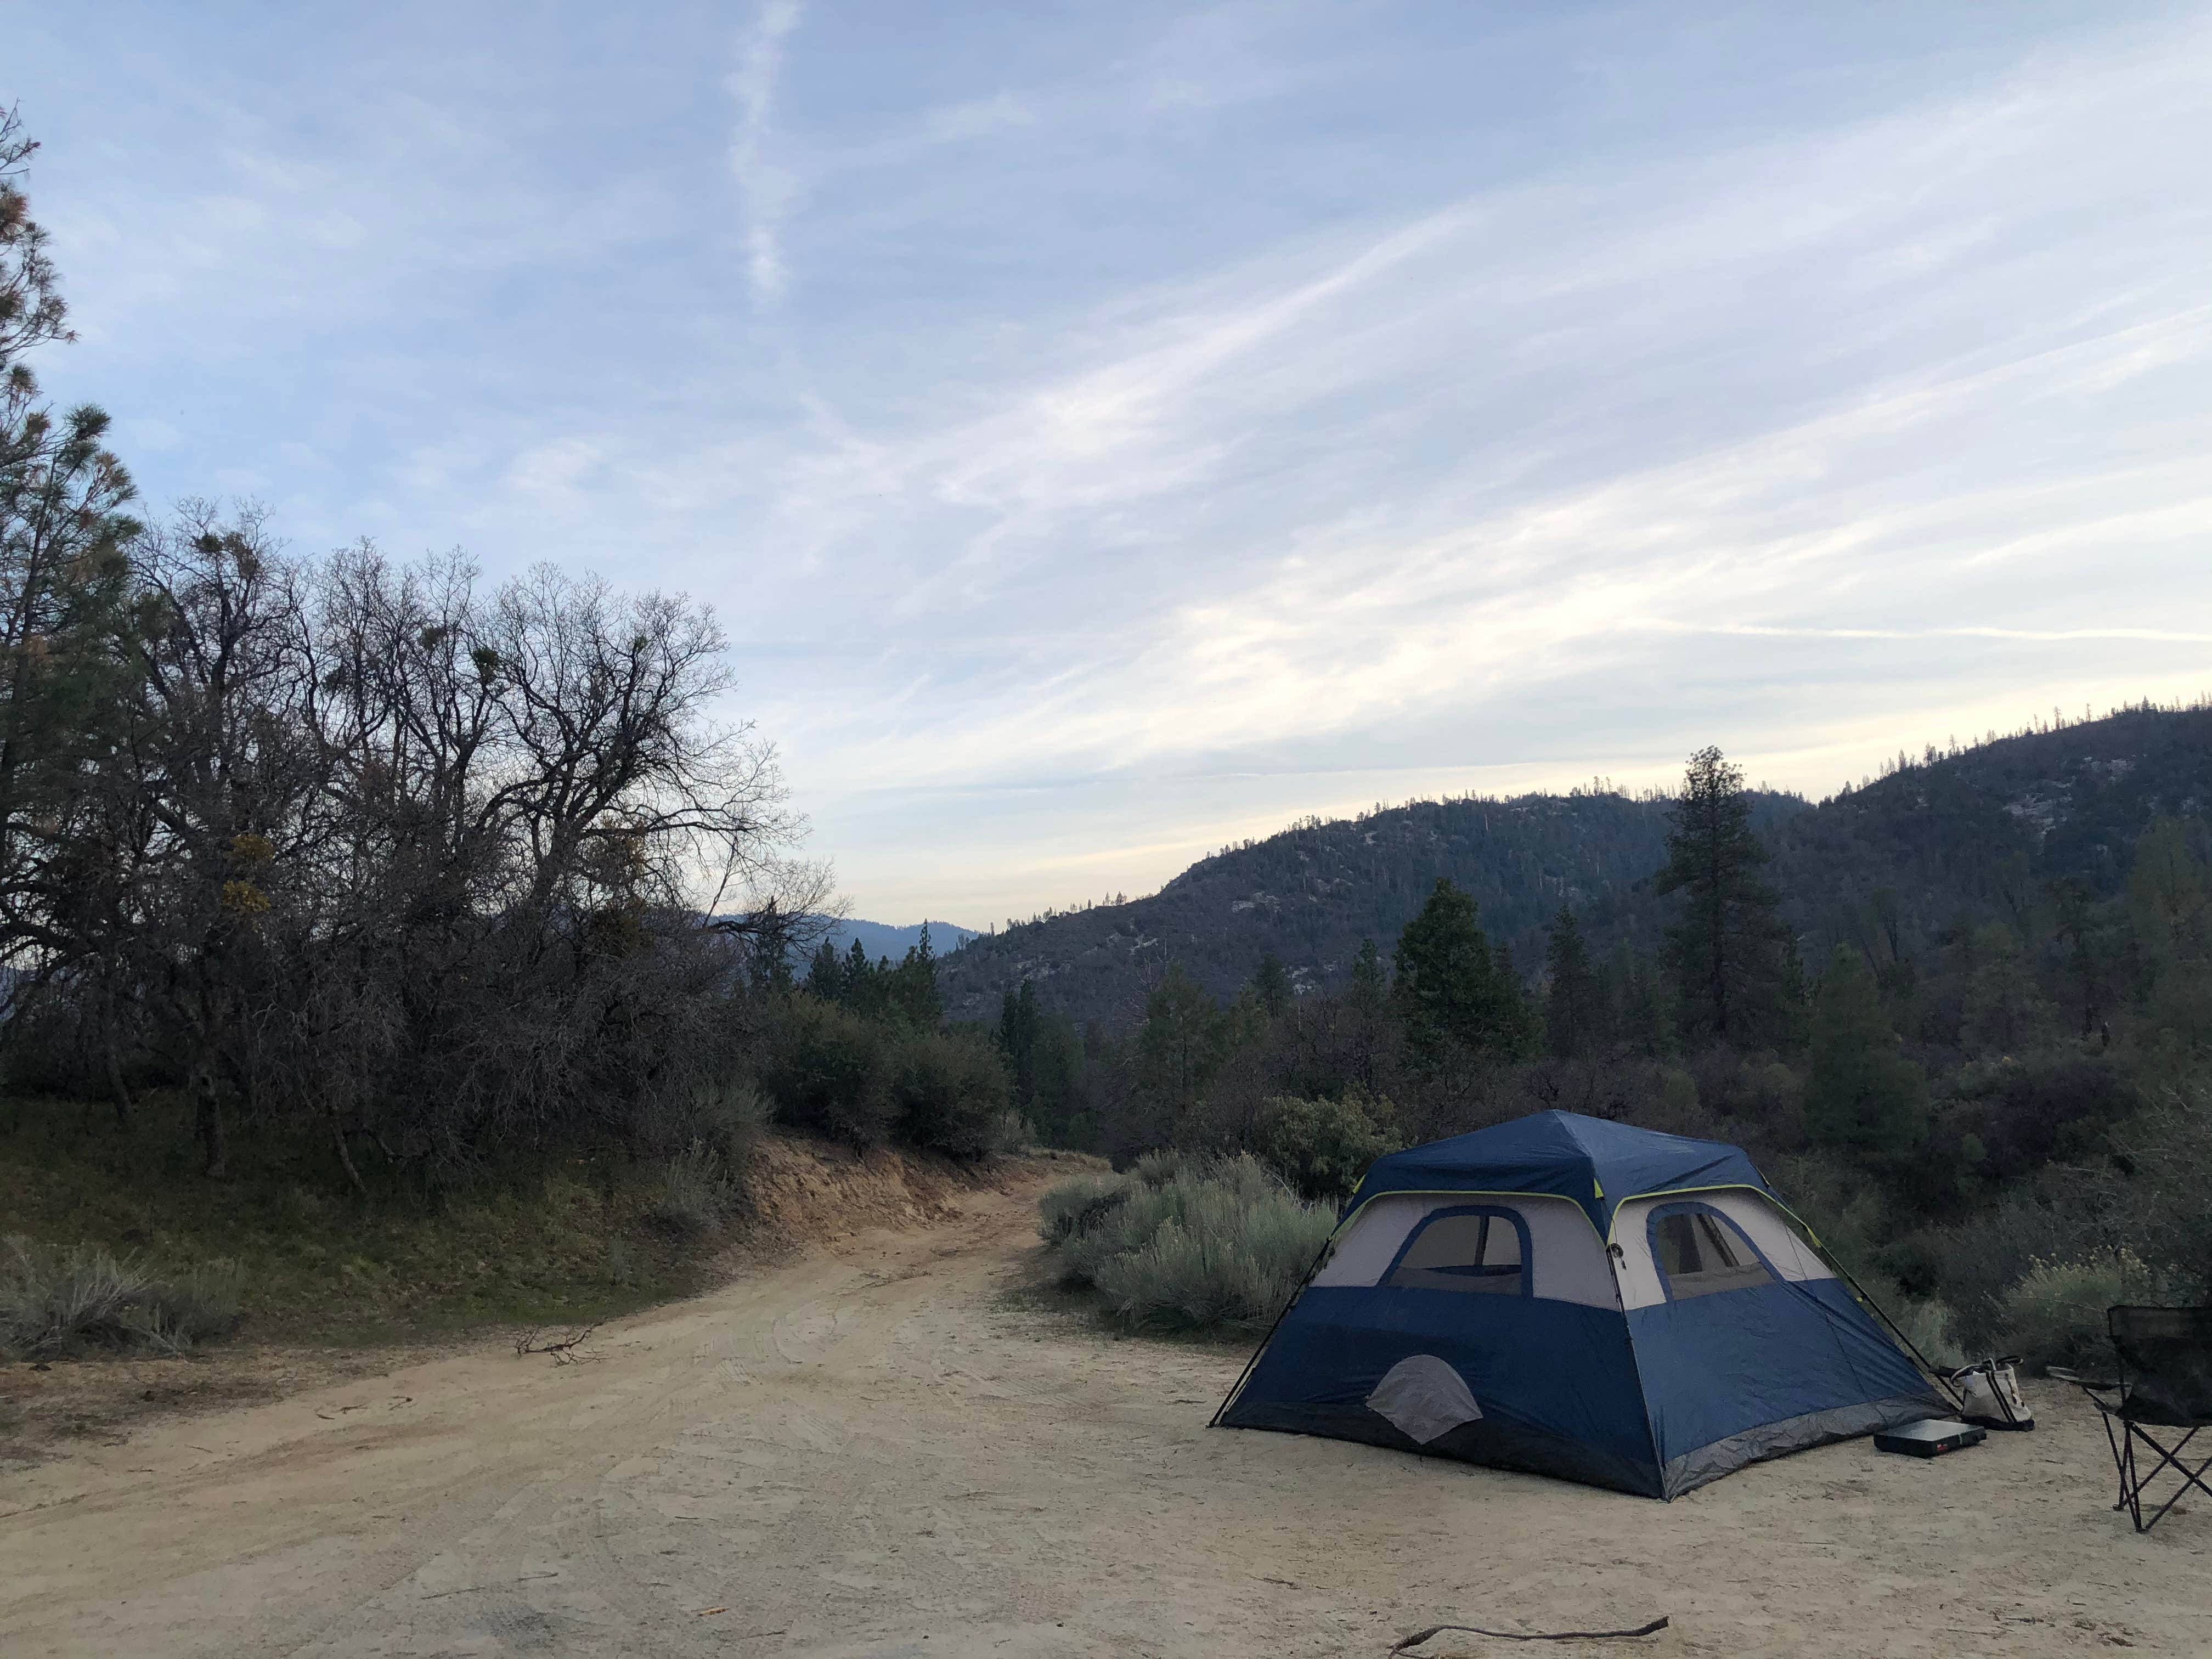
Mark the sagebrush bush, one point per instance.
(1074, 1207)
(57, 1299)
(2055, 1315)
(1974, 1265)
(1184, 1244)
(1931, 1327)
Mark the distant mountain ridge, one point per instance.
(880, 938)
(1313, 892)
(1964, 834)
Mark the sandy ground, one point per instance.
(882, 1446)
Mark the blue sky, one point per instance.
(1111, 431)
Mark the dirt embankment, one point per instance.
(885, 1444)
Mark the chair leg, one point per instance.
(2120, 1450)
(2166, 1459)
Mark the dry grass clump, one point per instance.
(705, 1141)
(59, 1299)
(1187, 1245)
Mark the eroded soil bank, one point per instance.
(885, 1444)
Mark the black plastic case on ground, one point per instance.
(1930, 1438)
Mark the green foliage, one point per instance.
(2169, 903)
(828, 1069)
(1863, 1097)
(914, 994)
(1322, 1147)
(952, 1094)
(1453, 995)
(2165, 1151)
(1051, 1066)
(1646, 999)
(833, 1071)
(2169, 894)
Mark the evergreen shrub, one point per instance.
(1322, 1147)
(952, 1095)
(829, 1071)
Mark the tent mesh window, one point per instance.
(1700, 1253)
(1463, 1250)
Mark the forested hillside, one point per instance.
(1980, 834)
(1312, 894)
(1958, 836)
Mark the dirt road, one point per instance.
(876, 1450)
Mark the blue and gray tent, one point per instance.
(1577, 1298)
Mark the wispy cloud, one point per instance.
(1144, 456)
(975, 116)
(765, 186)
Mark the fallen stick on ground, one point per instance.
(1419, 1637)
(563, 1351)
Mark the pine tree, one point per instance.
(1018, 1027)
(65, 585)
(1184, 1039)
(825, 974)
(864, 982)
(913, 986)
(1641, 997)
(1369, 991)
(1451, 993)
(2005, 1010)
(1574, 1022)
(1271, 984)
(1727, 946)
(1863, 1097)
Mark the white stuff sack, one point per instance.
(1990, 1392)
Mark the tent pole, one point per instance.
(1214, 1421)
(1941, 1379)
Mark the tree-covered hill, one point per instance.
(1313, 893)
(1987, 833)
(1965, 835)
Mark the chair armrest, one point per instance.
(2059, 1373)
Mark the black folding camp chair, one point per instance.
(2165, 1384)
